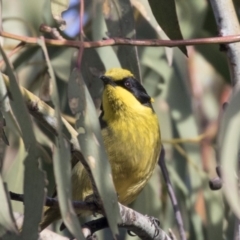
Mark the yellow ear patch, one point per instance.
(117, 74)
(152, 100)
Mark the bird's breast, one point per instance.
(133, 145)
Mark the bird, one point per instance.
(131, 136)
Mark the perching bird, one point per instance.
(131, 137)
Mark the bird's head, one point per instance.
(122, 92)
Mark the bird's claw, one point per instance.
(156, 223)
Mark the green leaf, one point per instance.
(185, 126)
(61, 61)
(215, 213)
(14, 174)
(34, 181)
(7, 221)
(191, 17)
(215, 57)
(91, 68)
(228, 146)
(5, 105)
(57, 7)
(120, 23)
(4, 109)
(166, 16)
(99, 30)
(91, 142)
(143, 203)
(144, 8)
(153, 74)
(61, 161)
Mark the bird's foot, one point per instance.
(156, 223)
(94, 200)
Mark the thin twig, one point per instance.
(52, 31)
(125, 41)
(183, 153)
(185, 140)
(53, 202)
(172, 195)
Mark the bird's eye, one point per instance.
(128, 84)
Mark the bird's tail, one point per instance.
(50, 215)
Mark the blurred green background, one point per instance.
(188, 92)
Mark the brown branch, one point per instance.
(81, 15)
(125, 41)
(53, 202)
(145, 227)
(172, 195)
(81, 33)
(52, 31)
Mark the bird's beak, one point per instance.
(107, 80)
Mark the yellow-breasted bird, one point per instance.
(131, 137)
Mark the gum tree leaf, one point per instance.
(34, 181)
(92, 68)
(7, 221)
(179, 101)
(120, 23)
(57, 7)
(61, 161)
(228, 145)
(166, 16)
(99, 29)
(144, 8)
(14, 174)
(91, 142)
(4, 108)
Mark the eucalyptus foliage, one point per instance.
(189, 85)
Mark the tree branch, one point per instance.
(46, 115)
(145, 227)
(228, 24)
(172, 195)
(125, 41)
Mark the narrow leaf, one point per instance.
(228, 145)
(7, 221)
(91, 68)
(144, 8)
(92, 146)
(34, 181)
(166, 16)
(120, 23)
(4, 108)
(62, 163)
(57, 7)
